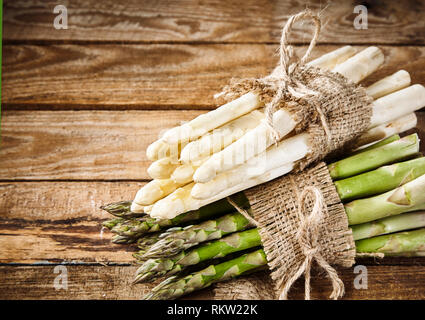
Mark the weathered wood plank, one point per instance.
(149, 76)
(212, 21)
(60, 221)
(81, 144)
(86, 145)
(114, 282)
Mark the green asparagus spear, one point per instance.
(174, 287)
(175, 242)
(408, 197)
(380, 180)
(154, 268)
(372, 159)
(112, 222)
(375, 145)
(118, 239)
(401, 222)
(394, 243)
(121, 209)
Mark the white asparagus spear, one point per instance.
(155, 190)
(397, 104)
(137, 208)
(220, 137)
(181, 201)
(160, 149)
(184, 173)
(260, 138)
(236, 108)
(213, 119)
(387, 129)
(394, 82)
(286, 151)
(162, 168)
(365, 62)
(329, 60)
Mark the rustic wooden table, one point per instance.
(80, 106)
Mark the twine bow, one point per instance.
(282, 76)
(308, 239)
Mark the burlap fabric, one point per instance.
(276, 208)
(300, 217)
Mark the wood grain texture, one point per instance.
(212, 21)
(81, 145)
(60, 221)
(159, 76)
(114, 282)
(87, 145)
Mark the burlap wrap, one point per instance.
(334, 111)
(275, 207)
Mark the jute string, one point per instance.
(307, 236)
(287, 85)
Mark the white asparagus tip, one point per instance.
(137, 208)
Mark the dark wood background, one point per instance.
(80, 106)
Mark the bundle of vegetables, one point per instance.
(382, 187)
(231, 148)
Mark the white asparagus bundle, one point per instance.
(184, 174)
(260, 138)
(415, 97)
(188, 202)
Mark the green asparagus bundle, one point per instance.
(403, 243)
(154, 268)
(174, 287)
(169, 253)
(169, 265)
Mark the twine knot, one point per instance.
(308, 239)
